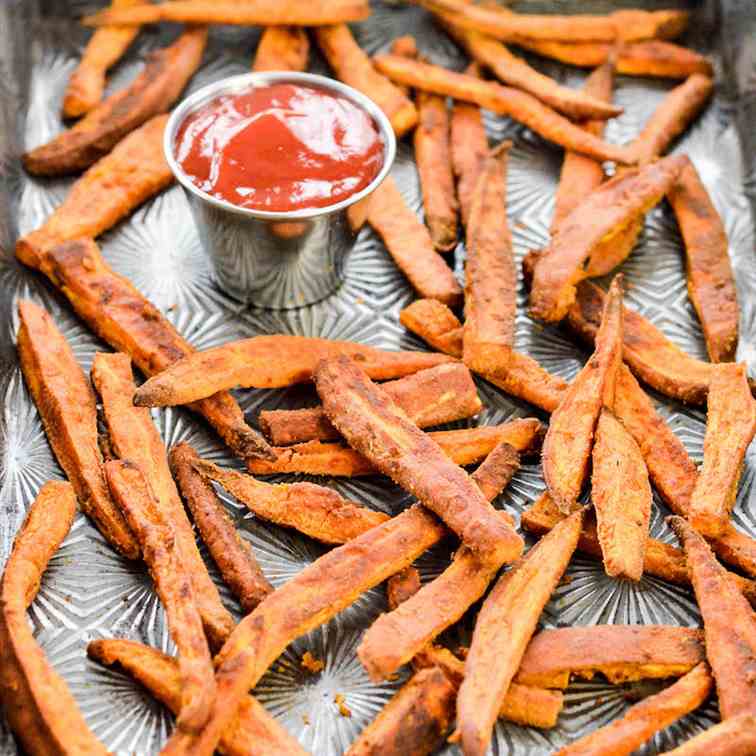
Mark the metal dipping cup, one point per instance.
(278, 260)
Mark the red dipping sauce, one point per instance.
(280, 148)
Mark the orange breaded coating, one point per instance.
(497, 470)
(734, 737)
(435, 324)
(282, 48)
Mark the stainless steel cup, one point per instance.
(277, 260)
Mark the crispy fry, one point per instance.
(435, 324)
(68, 410)
(642, 721)
(373, 424)
(282, 48)
(402, 586)
(37, 703)
(711, 286)
(134, 495)
(505, 624)
(230, 552)
(316, 511)
(497, 470)
(154, 91)
(253, 733)
(733, 737)
(351, 65)
(519, 105)
(116, 184)
(607, 211)
(87, 82)
(429, 397)
(729, 624)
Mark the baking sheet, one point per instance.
(90, 592)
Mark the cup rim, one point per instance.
(242, 82)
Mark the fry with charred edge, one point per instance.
(569, 438)
(230, 552)
(402, 586)
(282, 48)
(504, 626)
(312, 597)
(642, 721)
(68, 410)
(435, 324)
(269, 362)
(87, 82)
(497, 470)
(409, 243)
(154, 91)
(133, 436)
(116, 184)
(604, 213)
(516, 104)
(38, 705)
(671, 118)
(132, 492)
(115, 310)
(351, 65)
(490, 272)
(430, 397)
(316, 511)
(733, 737)
(711, 286)
(253, 733)
(729, 624)
(260, 13)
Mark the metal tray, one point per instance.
(88, 591)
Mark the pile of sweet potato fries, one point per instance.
(604, 434)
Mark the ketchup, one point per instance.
(280, 147)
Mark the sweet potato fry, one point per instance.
(505, 624)
(132, 492)
(351, 65)
(154, 91)
(490, 272)
(435, 324)
(253, 733)
(113, 308)
(68, 410)
(672, 117)
(516, 104)
(607, 211)
(642, 721)
(734, 737)
(711, 286)
(402, 586)
(37, 703)
(230, 552)
(282, 48)
(497, 470)
(729, 624)
(87, 82)
(113, 187)
(429, 397)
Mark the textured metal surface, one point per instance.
(90, 592)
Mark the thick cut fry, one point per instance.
(402, 586)
(132, 491)
(37, 703)
(373, 425)
(505, 624)
(569, 438)
(603, 214)
(269, 362)
(430, 397)
(621, 653)
(497, 470)
(154, 91)
(435, 324)
(316, 511)
(490, 272)
(711, 286)
(104, 49)
(729, 625)
(642, 721)
(351, 65)
(282, 48)
(733, 737)
(409, 243)
(254, 733)
(113, 308)
(113, 187)
(230, 552)
(519, 105)
(68, 409)
(133, 436)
